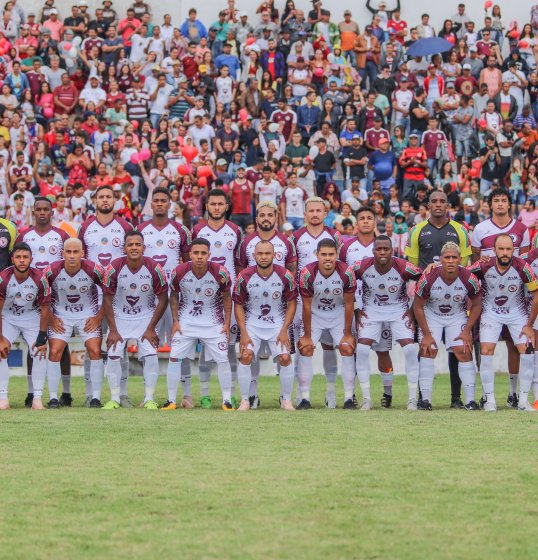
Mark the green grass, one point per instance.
(79, 483)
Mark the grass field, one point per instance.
(81, 483)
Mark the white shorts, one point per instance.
(331, 336)
(164, 326)
(373, 330)
(269, 335)
(490, 330)
(29, 332)
(385, 342)
(215, 347)
(132, 330)
(451, 331)
(72, 326)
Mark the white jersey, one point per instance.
(265, 300)
(353, 250)
(447, 302)
(384, 295)
(22, 299)
(46, 248)
(224, 243)
(201, 299)
(284, 250)
(306, 244)
(294, 200)
(74, 297)
(166, 246)
(134, 291)
(103, 242)
(485, 233)
(327, 292)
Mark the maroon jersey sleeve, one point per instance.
(291, 254)
(240, 294)
(221, 275)
(185, 239)
(342, 253)
(63, 234)
(52, 271)
(95, 271)
(124, 224)
(111, 275)
(471, 282)
(82, 231)
(177, 275)
(360, 266)
(348, 277)
(5, 275)
(43, 288)
(306, 280)
(407, 270)
(241, 257)
(290, 288)
(158, 276)
(237, 232)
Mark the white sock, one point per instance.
(330, 367)
(387, 378)
(124, 374)
(224, 371)
(30, 383)
(513, 382)
(487, 377)
(204, 369)
(53, 374)
(39, 372)
(151, 376)
(535, 378)
(286, 381)
(186, 378)
(348, 376)
(97, 374)
(87, 381)
(173, 375)
(526, 372)
(426, 373)
(411, 369)
(362, 361)
(66, 384)
(4, 379)
(232, 358)
(467, 371)
(304, 379)
(255, 369)
(114, 373)
(243, 378)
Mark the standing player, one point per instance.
(483, 241)
(265, 303)
(532, 259)
(440, 308)
(352, 251)
(384, 295)
(266, 230)
(135, 296)
(504, 279)
(224, 238)
(423, 248)
(24, 308)
(75, 307)
(327, 290)
(306, 241)
(102, 238)
(46, 243)
(201, 310)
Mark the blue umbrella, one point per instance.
(431, 45)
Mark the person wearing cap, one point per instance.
(467, 215)
(414, 162)
(517, 83)
(326, 28)
(399, 25)
(450, 101)
(466, 83)
(229, 60)
(54, 25)
(384, 83)
(367, 49)
(349, 31)
(355, 161)
(401, 103)
(92, 93)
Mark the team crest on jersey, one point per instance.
(381, 286)
(83, 289)
(144, 287)
(276, 295)
(209, 292)
(337, 291)
(3, 242)
(132, 286)
(514, 238)
(172, 243)
(104, 240)
(116, 242)
(265, 294)
(392, 289)
(458, 298)
(218, 244)
(29, 297)
(326, 291)
(41, 249)
(512, 288)
(229, 245)
(53, 249)
(159, 243)
(222, 346)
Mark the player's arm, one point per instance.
(428, 342)
(151, 335)
(528, 330)
(283, 336)
(466, 335)
(40, 345)
(174, 309)
(306, 340)
(475, 255)
(245, 339)
(227, 306)
(4, 342)
(113, 334)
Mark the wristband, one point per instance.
(42, 338)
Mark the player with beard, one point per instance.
(306, 240)
(75, 307)
(482, 242)
(102, 238)
(265, 303)
(46, 243)
(504, 281)
(24, 308)
(440, 308)
(352, 251)
(266, 230)
(385, 300)
(135, 295)
(224, 238)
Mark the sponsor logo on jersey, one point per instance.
(209, 292)
(512, 288)
(172, 244)
(144, 287)
(116, 242)
(84, 289)
(393, 289)
(29, 297)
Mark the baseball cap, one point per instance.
(403, 79)
(202, 68)
(199, 98)
(287, 227)
(302, 33)
(53, 11)
(242, 166)
(222, 161)
(466, 66)
(335, 67)
(391, 31)
(450, 85)
(356, 135)
(355, 178)
(369, 28)
(468, 202)
(473, 49)
(243, 14)
(383, 140)
(156, 68)
(413, 135)
(82, 3)
(347, 12)
(117, 187)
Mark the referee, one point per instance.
(424, 246)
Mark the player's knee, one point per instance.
(346, 349)
(306, 351)
(246, 358)
(55, 354)
(284, 360)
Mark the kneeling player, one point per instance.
(504, 279)
(440, 306)
(135, 296)
(327, 288)
(265, 302)
(385, 300)
(74, 300)
(201, 310)
(24, 304)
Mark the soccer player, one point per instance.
(504, 279)
(384, 283)
(46, 243)
(483, 240)
(352, 251)
(24, 308)
(201, 309)
(440, 307)
(266, 230)
(306, 240)
(224, 238)
(532, 259)
(135, 296)
(102, 238)
(423, 248)
(75, 307)
(265, 304)
(327, 289)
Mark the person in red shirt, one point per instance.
(287, 117)
(65, 96)
(190, 62)
(414, 163)
(399, 26)
(241, 192)
(127, 27)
